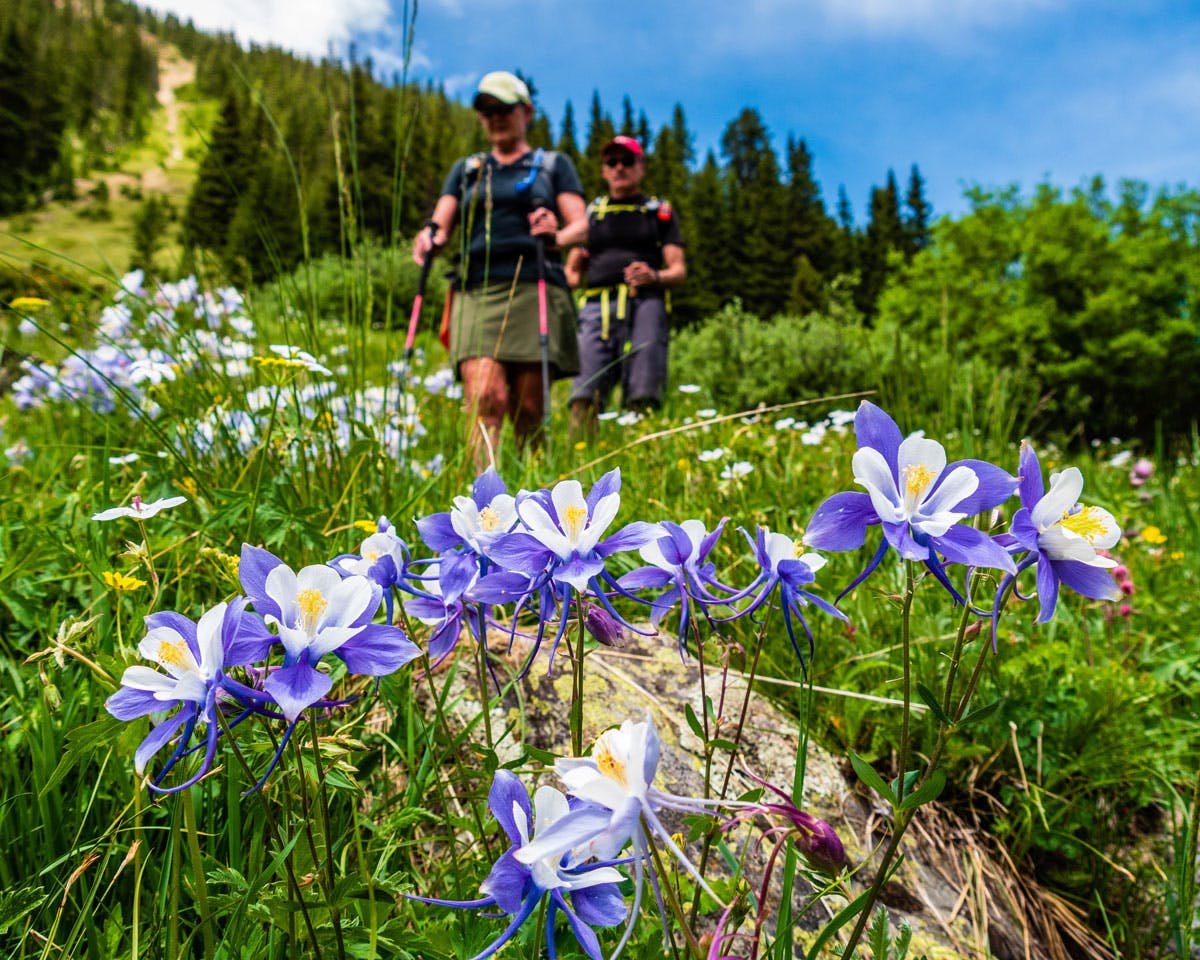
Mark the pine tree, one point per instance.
(214, 197)
(885, 234)
(707, 243)
(916, 223)
(600, 132)
(667, 171)
(760, 267)
(812, 235)
(568, 143)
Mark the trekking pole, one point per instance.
(543, 325)
(420, 297)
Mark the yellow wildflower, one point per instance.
(29, 303)
(1153, 535)
(367, 526)
(121, 583)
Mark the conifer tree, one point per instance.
(885, 234)
(812, 235)
(916, 223)
(668, 170)
(707, 242)
(600, 132)
(568, 142)
(214, 197)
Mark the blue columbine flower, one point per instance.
(518, 885)
(917, 498)
(560, 547)
(476, 521)
(382, 557)
(679, 560)
(1061, 537)
(781, 563)
(194, 657)
(616, 785)
(318, 612)
(443, 601)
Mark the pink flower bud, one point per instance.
(603, 626)
(1120, 572)
(1143, 469)
(1127, 587)
(1126, 610)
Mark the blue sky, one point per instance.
(975, 92)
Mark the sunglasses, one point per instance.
(496, 109)
(629, 160)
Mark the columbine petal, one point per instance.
(966, 545)
(841, 522)
(873, 472)
(995, 486)
(377, 650)
(297, 687)
(875, 429)
(1061, 498)
(1030, 476)
(1088, 579)
(158, 737)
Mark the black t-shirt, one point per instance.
(625, 230)
(494, 249)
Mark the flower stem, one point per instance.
(198, 876)
(485, 701)
(672, 898)
(577, 683)
(330, 877)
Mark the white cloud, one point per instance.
(905, 16)
(459, 83)
(308, 27)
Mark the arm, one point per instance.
(574, 229)
(444, 215)
(575, 267)
(674, 269)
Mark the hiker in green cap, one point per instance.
(514, 204)
(633, 257)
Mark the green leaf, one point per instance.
(541, 756)
(929, 698)
(868, 775)
(981, 713)
(84, 744)
(17, 904)
(930, 790)
(693, 721)
(723, 745)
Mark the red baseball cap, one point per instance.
(624, 143)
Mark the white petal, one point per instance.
(814, 561)
(872, 472)
(601, 518)
(208, 638)
(539, 526)
(918, 451)
(1062, 496)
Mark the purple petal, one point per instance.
(487, 487)
(507, 883)
(609, 483)
(1094, 582)
(1047, 590)
(244, 635)
(506, 791)
(875, 429)
(425, 608)
(645, 578)
(966, 545)
(501, 587)
(444, 638)
(129, 704)
(900, 537)
(841, 522)
(995, 486)
(586, 936)
(296, 687)
(630, 537)
(601, 905)
(377, 650)
(676, 546)
(521, 553)
(578, 571)
(1030, 479)
(1024, 530)
(455, 572)
(710, 541)
(253, 568)
(159, 736)
(438, 533)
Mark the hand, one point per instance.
(423, 247)
(543, 223)
(640, 274)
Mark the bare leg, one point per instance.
(486, 398)
(525, 406)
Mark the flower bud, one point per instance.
(1127, 587)
(1120, 572)
(821, 846)
(604, 627)
(1143, 469)
(1126, 610)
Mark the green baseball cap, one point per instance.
(503, 86)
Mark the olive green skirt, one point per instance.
(502, 323)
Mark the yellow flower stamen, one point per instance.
(312, 604)
(173, 655)
(574, 518)
(489, 519)
(608, 764)
(1086, 522)
(917, 479)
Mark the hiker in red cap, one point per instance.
(519, 207)
(633, 257)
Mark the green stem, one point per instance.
(330, 876)
(577, 683)
(263, 450)
(198, 876)
(672, 899)
(906, 653)
(484, 697)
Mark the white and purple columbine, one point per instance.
(917, 498)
